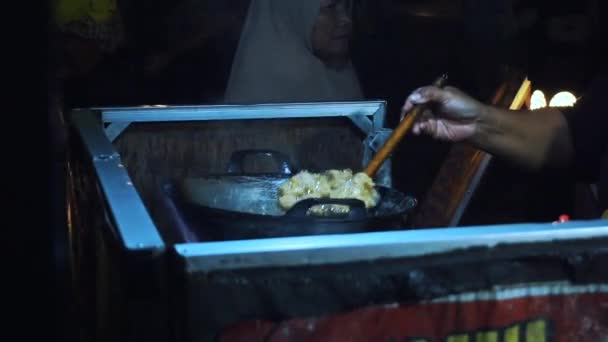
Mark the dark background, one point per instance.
(398, 46)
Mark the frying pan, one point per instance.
(239, 205)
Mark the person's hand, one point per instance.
(452, 114)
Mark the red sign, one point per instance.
(524, 316)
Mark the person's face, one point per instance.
(332, 31)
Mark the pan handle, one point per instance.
(237, 159)
(356, 211)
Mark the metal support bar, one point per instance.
(379, 117)
(364, 123)
(89, 127)
(233, 112)
(371, 145)
(133, 222)
(114, 130)
(357, 112)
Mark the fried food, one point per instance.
(330, 184)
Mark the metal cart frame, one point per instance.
(132, 231)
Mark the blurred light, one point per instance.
(563, 99)
(538, 100)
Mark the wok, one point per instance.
(240, 205)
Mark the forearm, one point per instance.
(533, 139)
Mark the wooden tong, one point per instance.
(404, 127)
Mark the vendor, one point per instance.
(294, 51)
(574, 137)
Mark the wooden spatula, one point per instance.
(404, 127)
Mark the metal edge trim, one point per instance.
(334, 249)
(233, 112)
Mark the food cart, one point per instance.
(142, 272)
